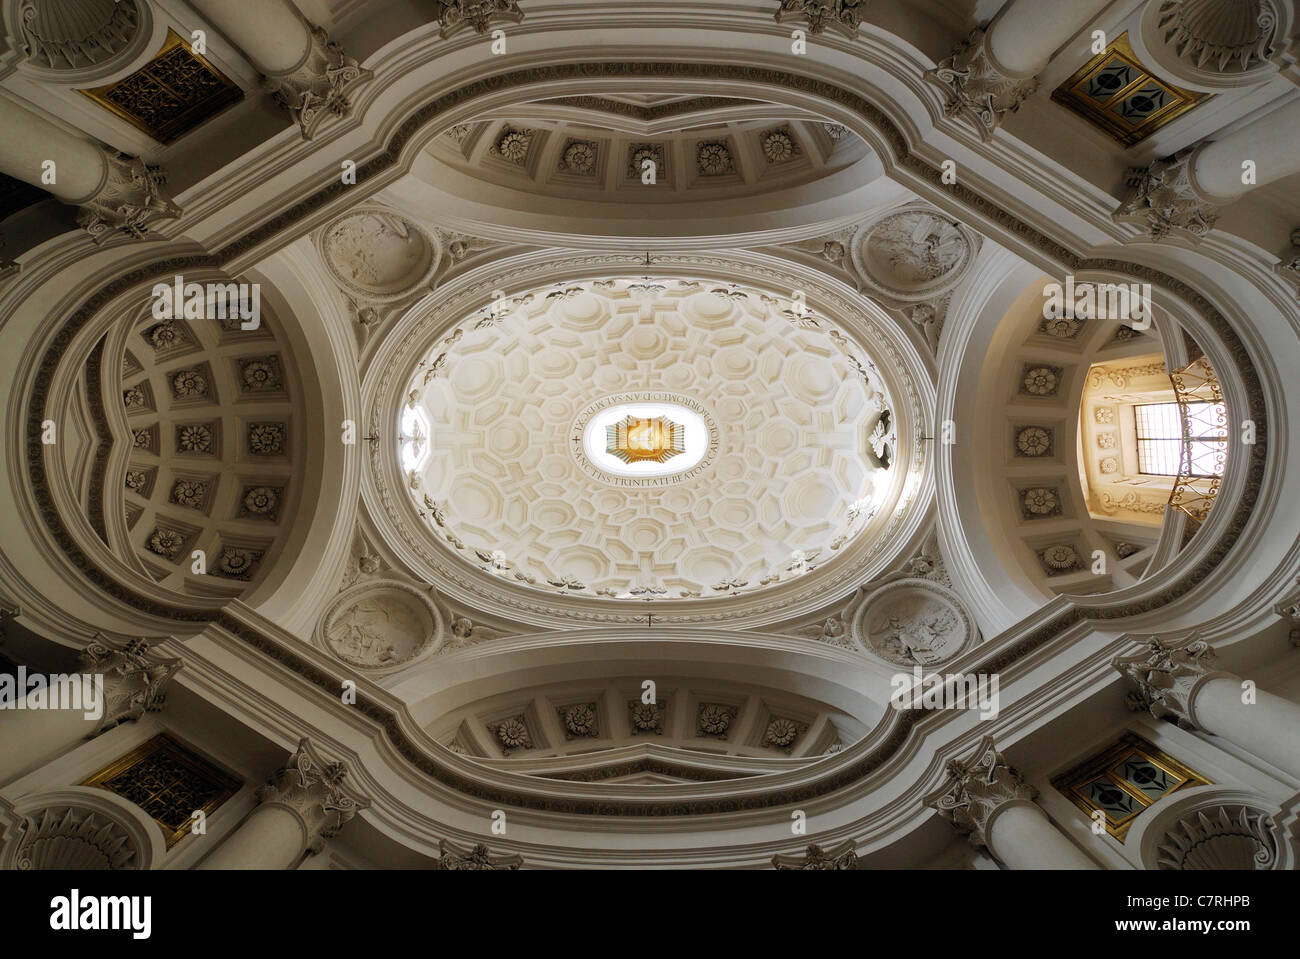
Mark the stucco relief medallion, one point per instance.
(379, 255)
(914, 253)
(913, 622)
(379, 625)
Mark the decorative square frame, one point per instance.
(1102, 766)
(1137, 79)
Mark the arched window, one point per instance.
(1188, 439)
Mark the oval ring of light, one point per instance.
(699, 438)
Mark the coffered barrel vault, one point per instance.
(653, 430)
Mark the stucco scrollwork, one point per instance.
(978, 89)
(320, 87)
(1289, 269)
(1168, 676)
(816, 857)
(455, 857)
(1164, 199)
(976, 788)
(314, 788)
(844, 16)
(1289, 609)
(455, 15)
(135, 679)
(131, 200)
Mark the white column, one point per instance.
(992, 804)
(1272, 143)
(272, 837)
(305, 804)
(1182, 681)
(1025, 34)
(28, 736)
(134, 681)
(1268, 728)
(269, 32)
(116, 193)
(28, 140)
(994, 70)
(306, 73)
(1022, 837)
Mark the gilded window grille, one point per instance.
(176, 91)
(1124, 780)
(1194, 492)
(169, 782)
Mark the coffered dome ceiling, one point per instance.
(184, 448)
(205, 451)
(582, 157)
(538, 440)
(573, 449)
(585, 164)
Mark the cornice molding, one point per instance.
(890, 739)
(876, 811)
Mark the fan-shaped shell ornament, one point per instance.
(1220, 34)
(68, 34)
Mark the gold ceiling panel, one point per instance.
(169, 783)
(1124, 780)
(1115, 92)
(170, 95)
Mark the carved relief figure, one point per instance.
(376, 631)
(918, 246)
(916, 631)
(377, 253)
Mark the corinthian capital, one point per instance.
(135, 679)
(977, 87)
(1167, 677)
(130, 199)
(1166, 201)
(1290, 269)
(320, 86)
(312, 788)
(455, 857)
(976, 788)
(479, 14)
(843, 15)
(816, 858)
